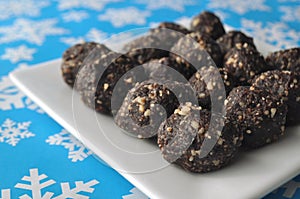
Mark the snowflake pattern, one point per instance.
(135, 194)
(22, 25)
(5, 194)
(239, 7)
(276, 34)
(77, 151)
(30, 31)
(12, 98)
(19, 53)
(177, 5)
(125, 16)
(12, 132)
(90, 4)
(92, 35)
(19, 8)
(290, 13)
(75, 16)
(36, 188)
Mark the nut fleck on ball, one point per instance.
(258, 114)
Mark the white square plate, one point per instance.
(252, 175)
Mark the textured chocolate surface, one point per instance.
(74, 57)
(211, 79)
(172, 26)
(231, 38)
(285, 84)
(244, 63)
(258, 114)
(288, 59)
(208, 23)
(197, 49)
(98, 77)
(182, 136)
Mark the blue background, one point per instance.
(275, 23)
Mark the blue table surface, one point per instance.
(38, 158)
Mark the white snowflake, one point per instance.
(75, 16)
(5, 194)
(178, 5)
(70, 41)
(33, 184)
(184, 21)
(96, 35)
(12, 98)
(291, 13)
(77, 152)
(92, 35)
(12, 132)
(31, 31)
(17, 8)
(19, 53)
(290, 189)
(116, 41)
(237, 6)
(90, 4)
(136, 194)
(124, 16)
(274, 35)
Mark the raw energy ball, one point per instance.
(258, 114)
(211, 80)
(244, 62)
(172, 26)
(98, 77)
(208, 23)
(74, 57)
(285, 84)
(231, 38)
(197, 49)
(145, 48)
(157, 43)
(181, 139)
(158, 69)
(140, 114)
(288, 59)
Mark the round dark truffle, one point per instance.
(258, 114)
(145, 107)
(231, 38)
(211, 79)
(173, 26)
(288, 59)
(197, 48)
(191, 140)
(98, 77)
(159, 69)
(208, 23)
(244, 62)
(74, 56)
(285, 84)
(146, 48)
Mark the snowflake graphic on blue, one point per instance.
(77, 151)
(12, 132)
